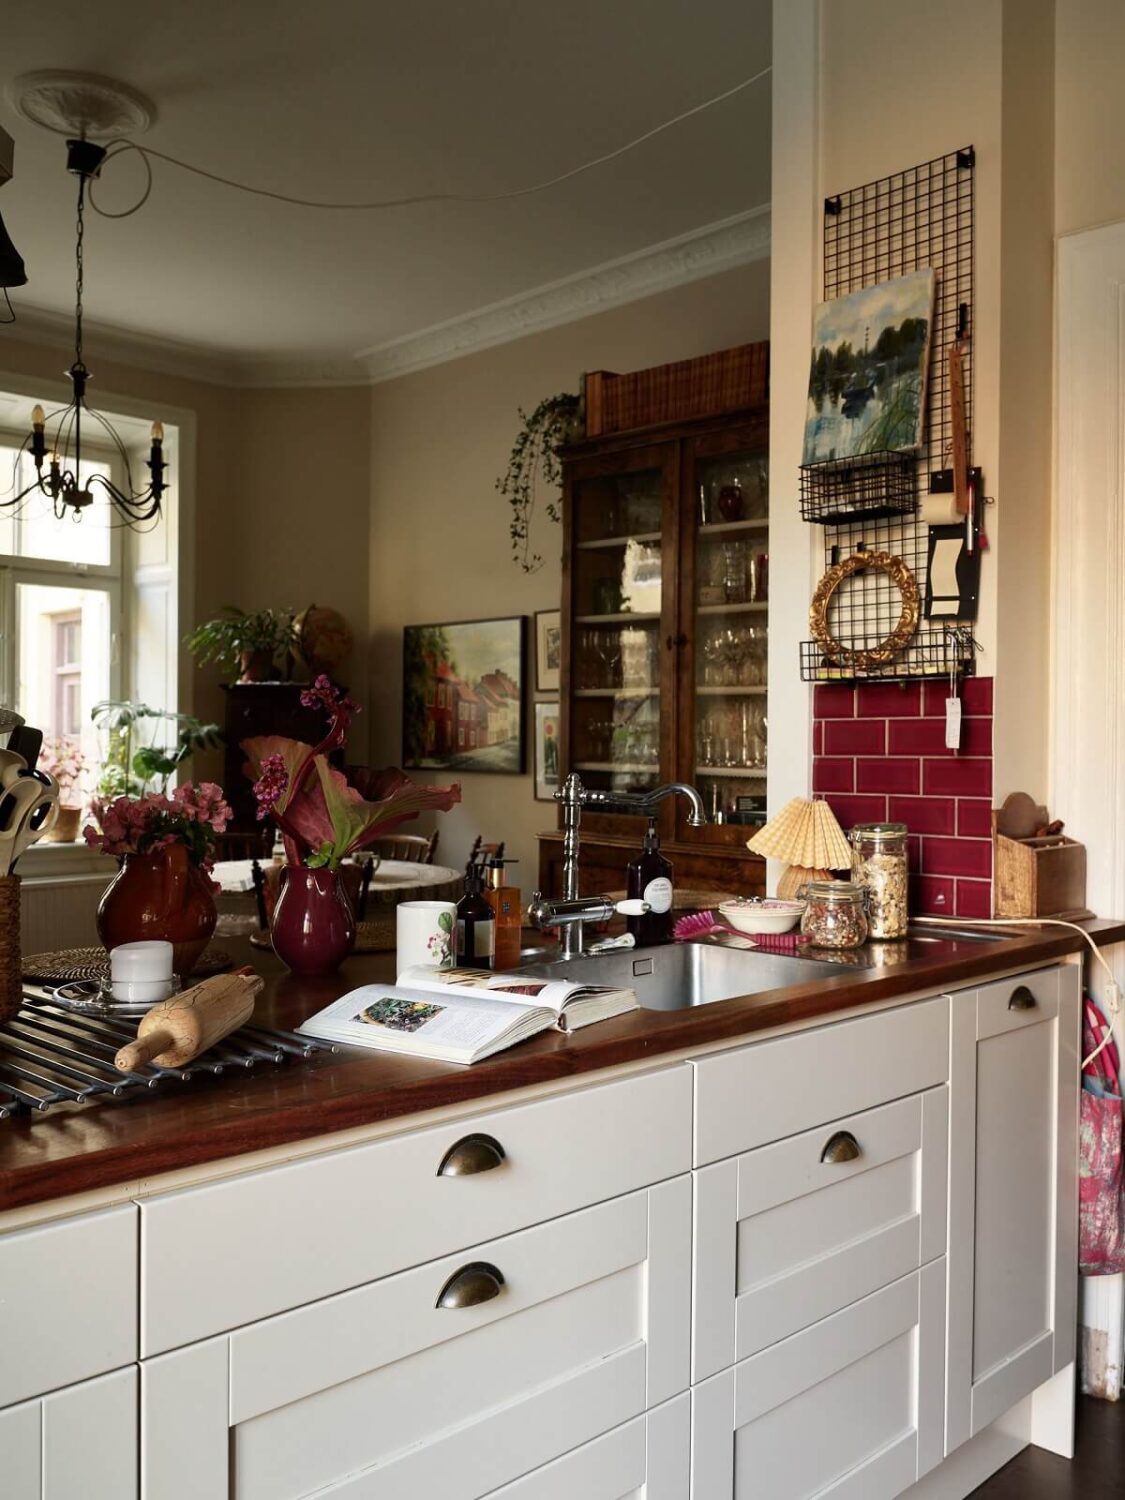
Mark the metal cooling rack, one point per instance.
(51, 1055)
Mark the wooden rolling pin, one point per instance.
(176, 1030)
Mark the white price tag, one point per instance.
(953, 723)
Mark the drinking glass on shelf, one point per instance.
(734, 573)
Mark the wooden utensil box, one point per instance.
(1039, 877)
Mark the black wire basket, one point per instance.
(869, 486)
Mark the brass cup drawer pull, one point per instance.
(471, 1154)
(470, 1286)
(1021, 998)
(841, 1147)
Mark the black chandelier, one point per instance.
(60, 477)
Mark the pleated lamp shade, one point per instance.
(808, 838)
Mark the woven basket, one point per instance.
(11, 987)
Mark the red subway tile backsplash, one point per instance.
(974, 898)
(857, 809)
(855, 737)
(833, 774)
(974, 818)
(965, 857)
(959, 776)
(924, 814)
(889, 700)
(888, 774)
(834, 701)
(880, 753)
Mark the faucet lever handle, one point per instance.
(632, 908)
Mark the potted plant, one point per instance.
(323, 819)
(163, 888)
(62, 759)
(133, 763)
(249, 641)
(534, 454)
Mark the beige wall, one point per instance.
(439, 546)
(1089, 113)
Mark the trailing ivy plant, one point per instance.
(534, 456)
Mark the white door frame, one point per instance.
(1088, 667)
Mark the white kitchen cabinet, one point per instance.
(850, 1407)
(80, 1441)
(645, 1459)
(569, 1330)
(794, 1231)
(1013, 1215)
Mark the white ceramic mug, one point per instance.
(426, 934)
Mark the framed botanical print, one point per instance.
(548, 650)
(547, 724)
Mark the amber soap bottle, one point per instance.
(504, 900)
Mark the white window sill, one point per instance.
(67, 861)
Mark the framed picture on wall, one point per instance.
(463, 694)
(547, 725)
(548, 650)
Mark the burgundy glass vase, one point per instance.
(313, 928)
(160, 895)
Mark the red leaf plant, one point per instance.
(324, 815)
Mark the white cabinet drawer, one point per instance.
(1023, 1000)
(646, 1459)
(68, 1302)
(790, 1233)
(768, 1090)
(381, 1393)
(275, 1239)
(851, 1407)
(77, 1441)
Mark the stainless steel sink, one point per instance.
(921, 932)
(685, 974)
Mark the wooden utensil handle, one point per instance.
(143, 1050)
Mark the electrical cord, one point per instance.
(1113, 990)
(121, 144)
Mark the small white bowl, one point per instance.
(762, 916)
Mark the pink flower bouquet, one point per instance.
(191, 816)
(63, 760)
(322, 817)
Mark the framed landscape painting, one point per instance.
(867, 378)
(462, 696)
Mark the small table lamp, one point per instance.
(808, 838)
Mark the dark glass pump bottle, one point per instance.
(649, 878)
(476, 925)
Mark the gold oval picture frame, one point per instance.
(891, 645)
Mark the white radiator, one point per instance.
(58, 912)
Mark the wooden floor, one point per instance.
(1097, 1472)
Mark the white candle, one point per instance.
(141, 973)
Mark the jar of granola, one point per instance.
(879, 866)
(834, 916)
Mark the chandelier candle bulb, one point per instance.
(38, 418)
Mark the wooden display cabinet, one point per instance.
(665, 615)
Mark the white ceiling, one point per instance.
(368, 98)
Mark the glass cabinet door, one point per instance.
(727, 618)
(616, 637)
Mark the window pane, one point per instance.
(64, 639)
(36, 531)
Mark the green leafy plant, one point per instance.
(247, 640)
(133, 763)
(534, 455)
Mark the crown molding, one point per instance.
(689, 257)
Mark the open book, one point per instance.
(462, 1015)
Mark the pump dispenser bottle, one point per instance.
(504, 900)
(476, 924)
(649, 878)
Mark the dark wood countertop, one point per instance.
(78, 1148)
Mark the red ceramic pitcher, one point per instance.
(313, 928)
(160, 895)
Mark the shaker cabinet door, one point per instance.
(454, 1379)
(1013, 1193)
(81, 1440)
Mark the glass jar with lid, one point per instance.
(834, 915)
(879, 866)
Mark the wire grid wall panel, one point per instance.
(918, 218)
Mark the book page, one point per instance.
(410, 1020)
(521, 988)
